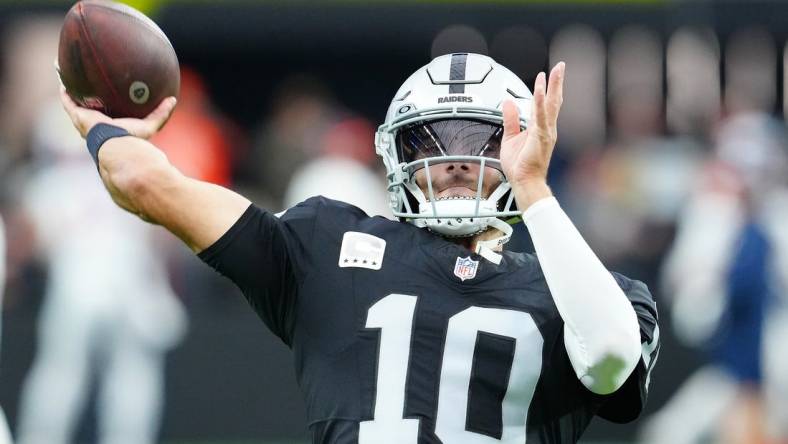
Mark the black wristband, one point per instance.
(100, 133)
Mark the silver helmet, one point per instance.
(451, 111)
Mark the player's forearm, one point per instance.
(132, 169)
(601, 329)
(141, 180)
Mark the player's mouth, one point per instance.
(456, 192)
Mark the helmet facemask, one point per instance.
(419, 145)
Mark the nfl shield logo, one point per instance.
(465, 268)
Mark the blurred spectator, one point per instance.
(108, 308)
(458, 38)
(726, 272)
(583, 120)
(343, 171)
(693, 80)
(750, 71)
(5, 435)
(302, 112)
(526, 61)
(28, 53)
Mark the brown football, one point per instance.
(114, 59)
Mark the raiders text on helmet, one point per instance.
(449, 99)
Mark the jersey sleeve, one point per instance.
(627, 402)
(264, 255)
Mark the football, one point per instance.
(114, 59)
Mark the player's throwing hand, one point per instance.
(84, 119)
(525, 155)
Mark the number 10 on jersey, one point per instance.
(394, 315)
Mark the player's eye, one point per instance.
(449, 137)
(492, 148)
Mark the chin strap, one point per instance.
(487, 248)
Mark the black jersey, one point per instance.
(401, 336)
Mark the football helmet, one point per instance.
(451, 111)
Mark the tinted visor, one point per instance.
(449, 137)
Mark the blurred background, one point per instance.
(672, 160)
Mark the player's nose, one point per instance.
(455, 167)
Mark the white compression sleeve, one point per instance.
(601, 329)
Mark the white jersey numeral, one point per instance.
(394, 316)
(456, 373)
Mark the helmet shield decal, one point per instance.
(449, 137)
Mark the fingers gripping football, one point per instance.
(84, 119)
(525, 155)
(80, 117)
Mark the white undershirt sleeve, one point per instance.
(601, 329)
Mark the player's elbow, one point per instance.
(610, 372)
(604, 364)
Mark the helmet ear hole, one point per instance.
(505, 198)
(412, 201)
